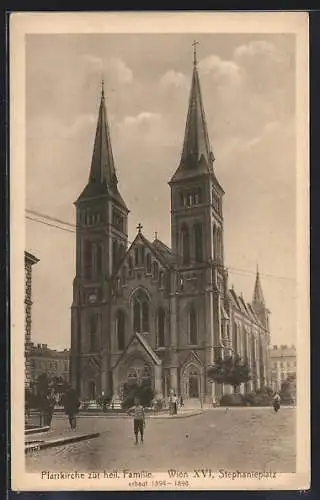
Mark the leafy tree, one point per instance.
(288, 389)
(143, 392)
(231, 371)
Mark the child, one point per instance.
(138, 419)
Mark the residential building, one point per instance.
(283, 363)
(53, 362)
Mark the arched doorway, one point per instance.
(92, 390)
(192, 382)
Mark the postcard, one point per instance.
(159, 263)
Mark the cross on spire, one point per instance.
(139, 227)
(156, 235)
(195, 43)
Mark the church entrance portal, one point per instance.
(194, 391)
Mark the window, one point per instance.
(161, 327)
(214, 241)
(193, 326)
(115, 254)
(136, 256)
(130, 261)
(99, 258)
(141, 312)
(93, 331)
(142, 255)
(162, 279)
(120, 329)
(185, 242)
(87, 259)
(155, 270)
(198, 242)
(117, 220)
(148, 263)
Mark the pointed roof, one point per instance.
(258, 298)
(196, 157)
(139, 340)
(102, 178)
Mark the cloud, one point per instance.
(143, 118)
(224, 71)
(114, 69)
(260, 48)
(174, 79)
(122, 71)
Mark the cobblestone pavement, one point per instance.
(248, 440)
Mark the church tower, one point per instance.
(197, 242)
(101, 240)
(196, 195)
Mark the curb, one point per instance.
(37, 446)
(37, 430)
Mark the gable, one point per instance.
(137, 344)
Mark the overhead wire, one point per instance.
(51, 220)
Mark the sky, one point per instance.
(248, 90)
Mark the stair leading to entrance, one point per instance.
(192, 404)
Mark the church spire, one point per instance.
(196, 140)
(102, 178)
(102, 166)
(258, 298)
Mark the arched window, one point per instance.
(93, 332)
(193, 326)
(87, 259)
(136, 257)
(185, 243)
(155, 272)
(115, 254)
(219, 245)
(141, 312)
(142, 255)
(145, 316)
(198, 242)
(149, 269)
(162, 279)
(130, 261)
(120, 329)
(99, 259)
(161, 327)
(235, 337)
(214, 241)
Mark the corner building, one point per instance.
(145, 310)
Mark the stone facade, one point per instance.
(149, 311)
(29, 261)
(50, 361)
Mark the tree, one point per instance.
(231, 371)
(288, 389)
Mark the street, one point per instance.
(248, 439)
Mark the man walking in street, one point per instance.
(138, 420)
(71, 406)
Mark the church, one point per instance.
(143, 310)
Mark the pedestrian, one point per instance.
(276, 402)
(139, 421)
(175, 404)
(181, 401)
(71, 407)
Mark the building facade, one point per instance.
(29, 261)
(283, 363)
(50, 361)
(148, 311)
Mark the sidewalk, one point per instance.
(163, 414)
